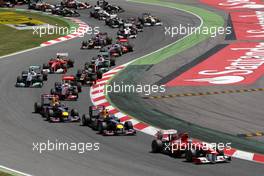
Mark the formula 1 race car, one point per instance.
(127, 32)
(115, 50)
(102, 3)
(75, 4)
(100, 14)
(97, 42)
(58, 65)
(99, 65)
(113, 9)
(70, 79)
(121, 47)
(126, 46)
(99, 119)
(109, 7)
(21, 2)
(45, 7)
(114, 22)
(133, 23)
(57, 10)
(63, 11)
(69, 13)
(34, 78)
(68, 89)
(178, 144)
(104, 52)
(12, 3)
(54, 111)
(148, 20)
(86, 76)
(7, 4)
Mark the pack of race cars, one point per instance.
(128, 29)
(12, 3)
(99, 118)
(67, 8)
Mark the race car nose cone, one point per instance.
(119, 126)
(65, 114)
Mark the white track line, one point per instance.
(14, 171)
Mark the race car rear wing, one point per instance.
(63, 54)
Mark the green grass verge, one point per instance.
(18, 40)
(209, 18)
(5, 174)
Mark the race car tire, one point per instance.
(130, 48)
(49, 114)
(91, 14)
(94, 77)
(189, 155)
(64, 66)
(45, 76)
(108, 41)
(43, 9)
(92, 122)
(52, 91)
(101, 127)
(112, 62)
(74, 113)
(213, 159)
(37, 107)
(40, 79)
(79, 87)
(76, 15)
(79, 73)
(45, 66)
(156, 146)
(128, 125)
(120, 53)
(75, 92)
(75, 6)
(70, 63)
(19, 79)
(99, 75)
(84, 121)
(90, 111)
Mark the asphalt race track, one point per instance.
(118, 156)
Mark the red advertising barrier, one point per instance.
(236, 64)
(230, 5)
(248, 25)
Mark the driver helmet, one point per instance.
(55, 101)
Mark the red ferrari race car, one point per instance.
(178, 144)
(75, 4)
(67, 90)
(58, 65)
